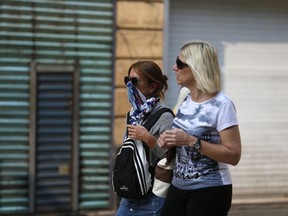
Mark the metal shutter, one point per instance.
(14, 132)
(57, 32)
(252, 40)
(54, 141)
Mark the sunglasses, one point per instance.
(180, 64)
(134, 80)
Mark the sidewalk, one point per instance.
(259, 210)
(279, 209)
(240, 210)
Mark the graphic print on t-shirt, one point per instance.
(203, 120)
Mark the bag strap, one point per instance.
(152, 119)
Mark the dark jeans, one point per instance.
(210, 201)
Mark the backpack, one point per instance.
(132, 175)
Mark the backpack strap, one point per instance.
(152, 119)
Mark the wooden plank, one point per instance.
(139, 44)
(121, 70)
(119, 129)
(139, 36)
(122, 67)
(140, 14)
(121, 103)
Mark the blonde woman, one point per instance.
(206, 135)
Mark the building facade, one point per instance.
(63, 101)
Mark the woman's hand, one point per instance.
(137, 132)
(175, 137)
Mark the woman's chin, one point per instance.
(178, 82)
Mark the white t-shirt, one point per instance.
(204, 120)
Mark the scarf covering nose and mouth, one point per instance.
(140, 104)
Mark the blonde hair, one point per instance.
(182, 95)
(202, 58)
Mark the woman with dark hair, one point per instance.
(146, 86)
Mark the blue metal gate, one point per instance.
(54, 142)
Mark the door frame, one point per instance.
(36, 68)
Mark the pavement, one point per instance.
(280, 209)
(240, 210)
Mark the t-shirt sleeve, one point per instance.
(227, 116)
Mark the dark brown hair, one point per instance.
(151, 72)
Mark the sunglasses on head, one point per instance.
(180, 64)
(134, 80)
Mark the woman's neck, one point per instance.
(199, 96)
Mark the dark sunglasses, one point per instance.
(134, 80)
(180, 64)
